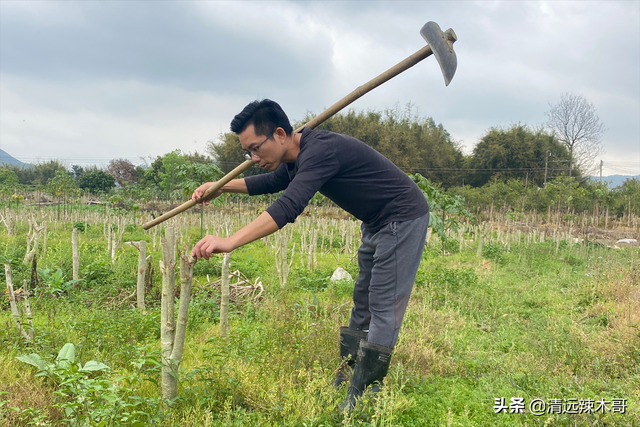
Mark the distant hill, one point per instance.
(6, 158)
(614, 180)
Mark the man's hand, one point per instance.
(262, 226)
(210, 245)
(199, 193)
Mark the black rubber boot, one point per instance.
(349, 345)
(371, 367)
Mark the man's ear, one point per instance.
(281, 134)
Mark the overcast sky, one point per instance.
(87, 82)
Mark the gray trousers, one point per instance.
(388, 262)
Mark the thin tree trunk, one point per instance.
(35, 239)
(224, 298)
(167, 319)
(44, 243)
(121, 228)
(75, 254)
(12, 302)
(109, 240)
(27, 307)
(283, 264)
(480, 242)
(113, 247)
(142, 268)
(186, 280)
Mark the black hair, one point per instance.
(265, 116)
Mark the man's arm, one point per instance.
(233, 186)
(260, 227)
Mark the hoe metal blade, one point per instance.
(442, 47)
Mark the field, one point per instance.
(529, 323)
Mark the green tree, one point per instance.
(445, 210)
(97, 181)
(151, 177)
(412, 142)
(190, 176)
(44, 172)
(171, 162)
(228, 153)
(626, 196)
(8, 177)
(38, 174)
(78, 171)
(61, 185)
(516, 152)
(8, 182)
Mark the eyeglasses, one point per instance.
(251, 154)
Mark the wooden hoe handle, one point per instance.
(360, 91)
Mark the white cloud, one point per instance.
(97, 122)
(134, 78)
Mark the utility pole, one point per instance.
(601, 171)
(546, 162)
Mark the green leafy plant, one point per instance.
(445, 210)
(88, 397)
(55, 282)
(66, 357)
(98, 272)
(494, 252)
(314, 280)
(80, 226)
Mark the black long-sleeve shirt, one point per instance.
(355, 176)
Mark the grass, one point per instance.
(526, 323)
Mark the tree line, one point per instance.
(506, 163)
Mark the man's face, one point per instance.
(264, 149)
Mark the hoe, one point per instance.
(439, 44)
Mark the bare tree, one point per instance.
(575, 123)
(123, 171)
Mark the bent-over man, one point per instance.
(393, 211)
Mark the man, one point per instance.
(393, 211)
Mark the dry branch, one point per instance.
(32, 237)
(242, 291)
